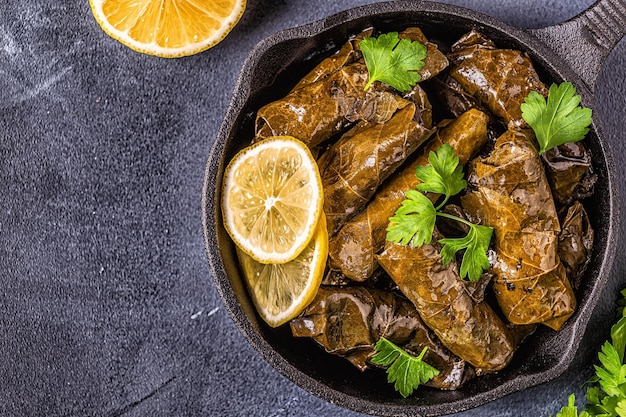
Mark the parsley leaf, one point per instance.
(393, 61)
(560, 119)
(405, 370)
(612, 373)
(607, 396)
(443, 175)
(570, 410)
(620, 409)
(414, 221)
(618, 331)
(476, 243)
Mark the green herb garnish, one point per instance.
(404, 370)
(560, 119)
(570, 409)
(606, 393)
(414, 222)
(444, 175)
(393, 61)
(476, 243)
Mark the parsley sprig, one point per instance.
(570, 410)
(393, 60)
(606, 393)
(404, 370)
(414, 221)
(558, 120)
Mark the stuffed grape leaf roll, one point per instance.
(349, 321)
(332, 96)
(471, 330)
(348, 54)
(424, 110)
(569, 172)
(435, 60)
(353, 248)
(511, 194)
(355, 166)
(454, 99)
(575, 241)
(316, 111)
(499, 78)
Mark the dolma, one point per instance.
(467, 45)
(498, 78)
(510, 193)
(348, 54)
(471, 330)
(434, 63)
(424, 110)
(354, 167)
(435, 60)
(349, 321)
(353, 248)
(569, 172)
(316, 111)
(377, 106)
(455, 101)
(575, 241)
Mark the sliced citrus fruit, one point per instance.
(281, 291)
(272, 199)
(168, 28)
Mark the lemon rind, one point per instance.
(309, 291)
(178, 52)
(315, 213)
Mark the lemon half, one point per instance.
(168, 28)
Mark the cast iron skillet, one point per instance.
(573, 51)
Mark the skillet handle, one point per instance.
(586, 40)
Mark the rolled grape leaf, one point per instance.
(512, 195)
(349, 321)
(468, 44)
(348, 54)
(498, 78)
(471, 330)
(424, 110)
(353, 248)
(357, 164)
(569, 172)
(455, 101)
(317, 107)
(435, 60)
(316, 111)
(575, 241)
(377, 106)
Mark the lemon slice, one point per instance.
(281, 291)
(168, 28)
(272, 199)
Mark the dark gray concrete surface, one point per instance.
(107, 305)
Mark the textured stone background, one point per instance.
(107, 306)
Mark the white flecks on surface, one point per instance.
(209, 314)
(9, 46)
